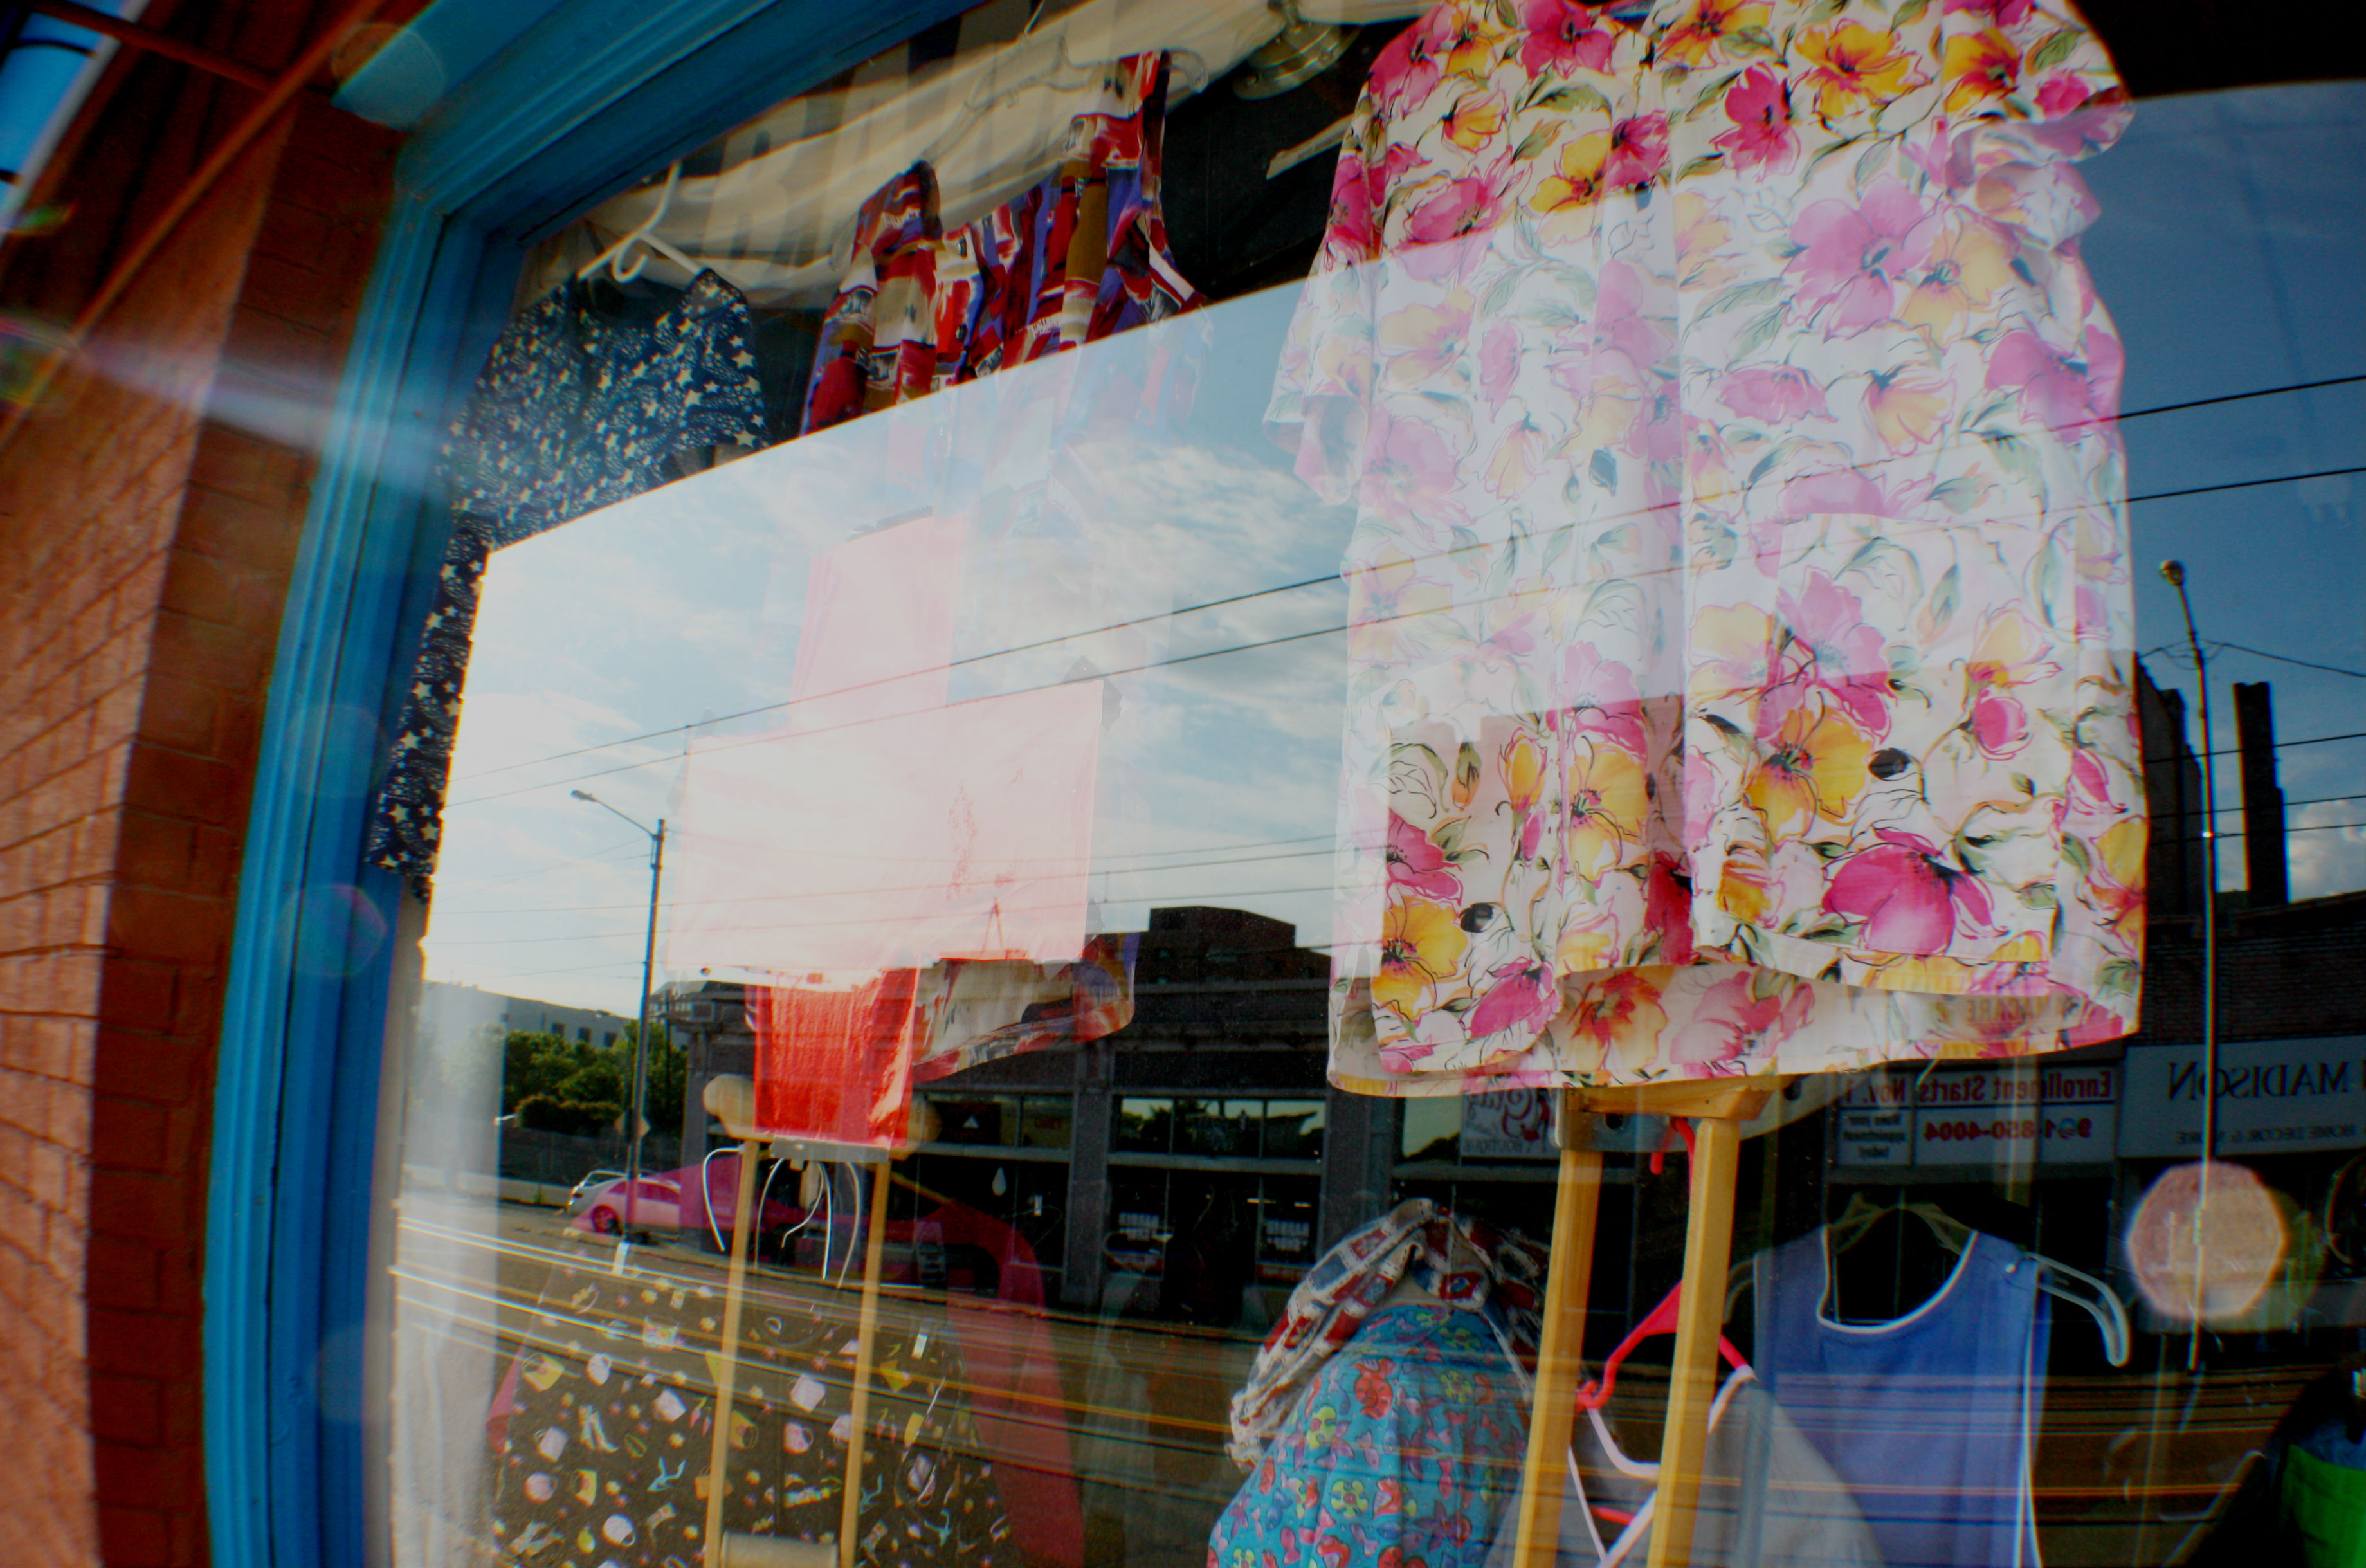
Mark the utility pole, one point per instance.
(636, 1123)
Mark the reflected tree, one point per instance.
(552, 1084)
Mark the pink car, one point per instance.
(660, 1201)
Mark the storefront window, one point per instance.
(1219, 726)
(1144, 1125)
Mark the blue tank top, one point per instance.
(1931, 1419)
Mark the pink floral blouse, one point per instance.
(1738, 601)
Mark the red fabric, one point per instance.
(835, 1064)
(505, 1403)
(877, 636)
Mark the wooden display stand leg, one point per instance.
(1720, 1106)
(1577, 1203)
(727, 1361)
(1708, 1251)
(875, 1254)
(758, 1551)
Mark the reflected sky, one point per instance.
(2232, 224)
(1190, 580)
(1186, 576)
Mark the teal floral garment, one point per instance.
(1739, 610)
(1404, 1452)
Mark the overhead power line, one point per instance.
(2242, 397)
(2236, 751)
(1099, 870)
(2310, 828)
(2288, 658)
(2245, 484)
(1299, 586)
(2156, 816)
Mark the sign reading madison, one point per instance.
(2275, 1096)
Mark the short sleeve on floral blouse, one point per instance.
(1319, 405)
(2027, 90)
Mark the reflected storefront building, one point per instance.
(1395, 763)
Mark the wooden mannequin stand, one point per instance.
(1720, 1106)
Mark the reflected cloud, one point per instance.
(1185, 574)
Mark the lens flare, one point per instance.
(2206, 1248)
(45, 218)
(30, 349)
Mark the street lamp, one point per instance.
(641, 1038)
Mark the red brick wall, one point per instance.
(2287, 973)
(148, 518)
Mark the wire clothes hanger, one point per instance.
(646, 236)
(1067, 74)
(1594, 1393)
(1064, 74)
(2058, 1280)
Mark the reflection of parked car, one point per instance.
(590, 1179)
(597, 1203)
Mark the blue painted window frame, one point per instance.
(596, 98)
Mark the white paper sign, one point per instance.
(1981, 1116)
(1877, 1135)
(1515, 1123)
